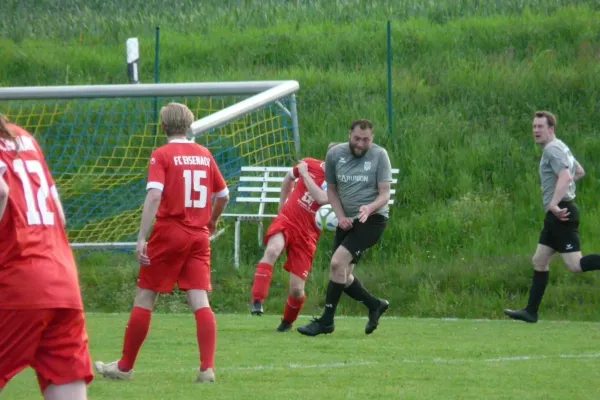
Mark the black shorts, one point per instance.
(562, 236)
(361, 236)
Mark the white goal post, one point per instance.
(33, 108)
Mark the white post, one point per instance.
(236, 255)
(295, 127)
(133, 58)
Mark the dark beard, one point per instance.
(354, 153)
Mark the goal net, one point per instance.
(98, 140)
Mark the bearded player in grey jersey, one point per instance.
(359, 177)
(559, 171)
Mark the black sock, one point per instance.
(538, 287)
(357, 291)
(332, 298)
(590, 263)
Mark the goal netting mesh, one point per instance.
(98, 152)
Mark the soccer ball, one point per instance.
(325, 218)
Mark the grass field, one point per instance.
(405, 358)
(467, 75)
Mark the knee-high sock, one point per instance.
(262, 281)
(206, 333)
(135, 334)
(293, 308)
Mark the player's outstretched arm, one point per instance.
(3, 195)
(286, 189)
(315, 191)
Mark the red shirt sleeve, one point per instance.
(156, 171)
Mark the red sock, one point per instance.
(206, 332)
(135, 334)
(292, 309)
(262, 281)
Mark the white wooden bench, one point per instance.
(257, 195)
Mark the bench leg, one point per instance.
(260, 234)
(236, 255)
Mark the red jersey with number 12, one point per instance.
(37, 268)
(301, 208)
(188, 177)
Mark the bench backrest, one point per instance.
(260, 186)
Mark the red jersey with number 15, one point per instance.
(37, 268)
(188, 177)
(301, 208)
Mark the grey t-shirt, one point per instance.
(357, 177)
(556, 157)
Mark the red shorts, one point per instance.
(176, 256)
(300, 251)
(54, 342)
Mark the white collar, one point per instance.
(180, 141)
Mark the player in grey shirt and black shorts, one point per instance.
(559, 170)
(358, 175)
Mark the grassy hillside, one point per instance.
(467, 77)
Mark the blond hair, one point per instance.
(176, 118)
(5, 131)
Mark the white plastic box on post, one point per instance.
(133, 60)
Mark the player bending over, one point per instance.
(42, 325)
(294, 229)
(183, 177)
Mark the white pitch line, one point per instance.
(298, 366)
(291, 366)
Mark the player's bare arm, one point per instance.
(3, 196)
(218, 207)
(286, 188)
(579, 171)
(334, 199)
(315, 191)
(383, 197)
(148, 214)
(562, 186)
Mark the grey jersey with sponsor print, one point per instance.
(556, 157)
(357, 177)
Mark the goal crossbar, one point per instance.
(142, 90)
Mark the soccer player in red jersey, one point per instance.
(42, 324)
(294, 229)
(183, 178)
